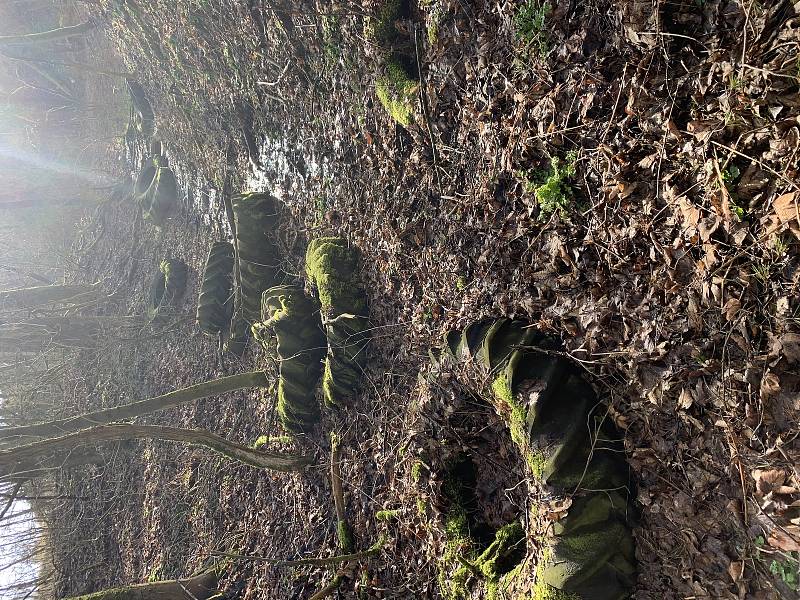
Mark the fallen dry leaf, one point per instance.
(786, 208)
(736, 570)
(770, 385)
(784, 539)
(731, 308)
(767, 479)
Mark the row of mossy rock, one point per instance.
(333, 325)
(223, 308)
(155, 188)
(257, 218)
(569, 450)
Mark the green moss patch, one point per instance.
(379, 28)
(397, 92)
(332, 267)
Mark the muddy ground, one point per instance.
(671, 274)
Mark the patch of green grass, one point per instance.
(736, 209)
(780, 245)
(331, 38)
(761, 271)
(387, 515)
(551, 188)
(787, 566)
(433, 19)
(321, 204)
(530, 27)
(422, 507)
(397, 92)
(788, 570)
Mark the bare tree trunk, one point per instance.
(12, 435)
(26, 459)
(47, 36)
(199, 587)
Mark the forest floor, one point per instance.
(668, 267)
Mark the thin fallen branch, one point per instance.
(425, 112)
(11, 497)
(317, 562)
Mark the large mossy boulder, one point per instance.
(294, 319)
(569, 449)
(332, 268)
(215, 302)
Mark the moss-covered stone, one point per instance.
(294, 319)
(397, 92)
(332, 267)
(550, 412)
